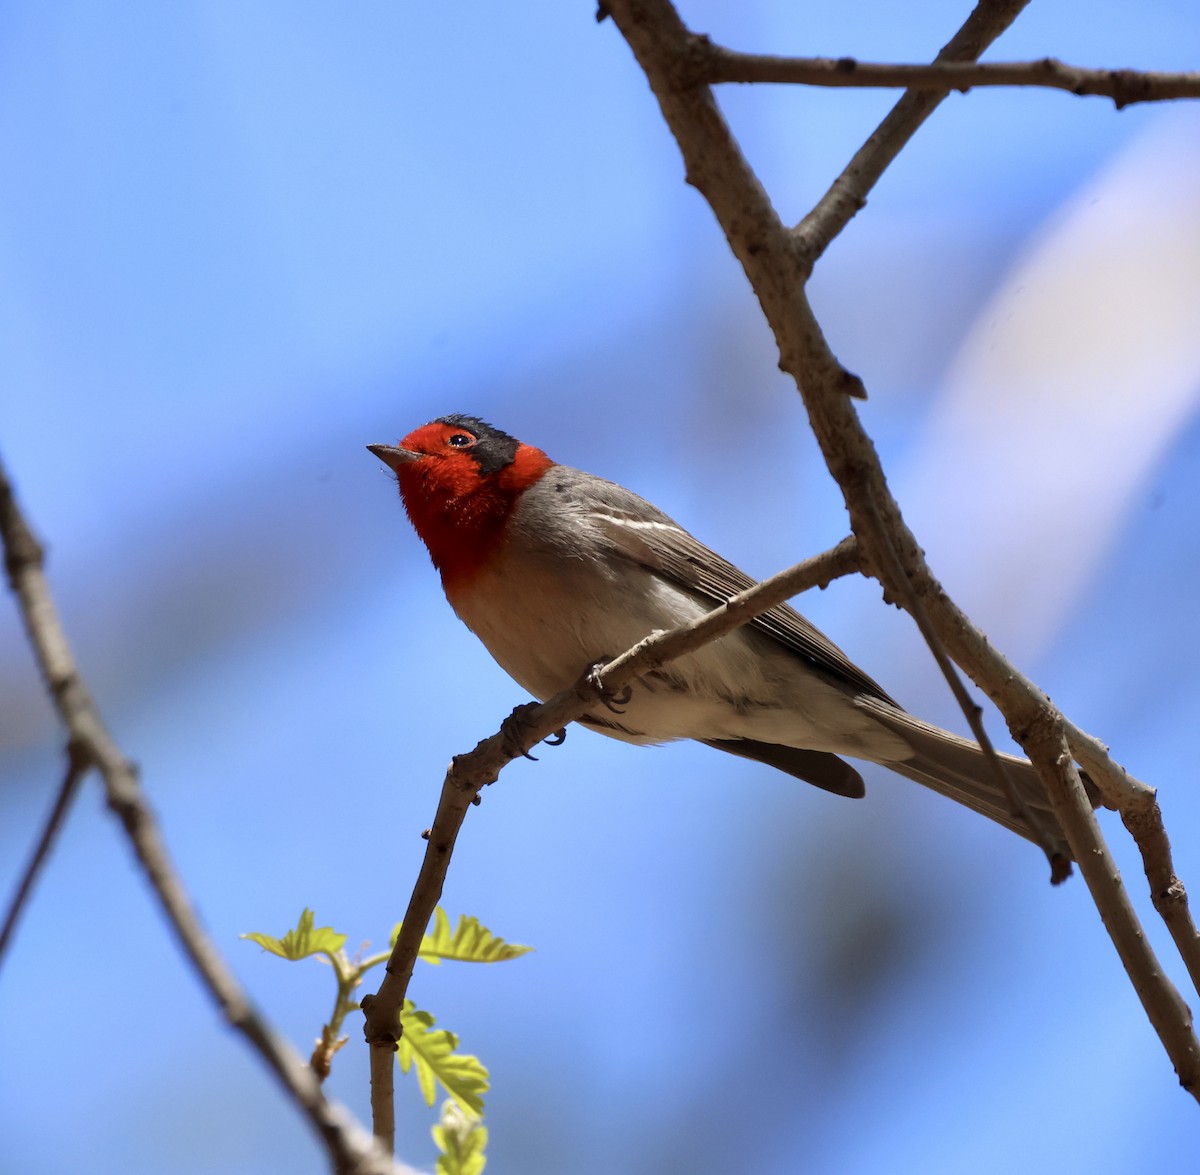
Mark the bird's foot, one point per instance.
(613, 699)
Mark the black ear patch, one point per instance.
(493, 449)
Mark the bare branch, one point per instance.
(349, 1147)
(715, 64)
(1142, 817)
(777, 273)
(848, 193)
(529, 725)
(77, 766)
(1172, 1020)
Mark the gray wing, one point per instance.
(645, 534)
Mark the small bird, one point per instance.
(556, 570)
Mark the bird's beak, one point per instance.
(393, 457)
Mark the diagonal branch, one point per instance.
(77, 766)
(848, 193)
(1143, 820)
(350, 1149)
(1172, 1019)
(777, 273)
(714, 65)
(527, 726)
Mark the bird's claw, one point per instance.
(554, 740)
(613, 699)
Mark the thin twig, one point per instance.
(528, 725)
(714, 65)
(77, 766)
(848, 193)
(1167, 892)
(1047, 746)
(350, 1148)
(1142, 817)
(1060, 867)
(777, 273)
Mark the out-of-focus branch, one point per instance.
(77, 767)
(350, 1148)
(714, 64)
(777, 271)
(527, 726)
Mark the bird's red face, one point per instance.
(453, 457)
(459, 478)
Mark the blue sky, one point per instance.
(239, 243)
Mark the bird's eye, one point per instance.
(460, 440)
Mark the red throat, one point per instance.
(459, 512)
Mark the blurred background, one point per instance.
(240, 242)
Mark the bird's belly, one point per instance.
(567, 617)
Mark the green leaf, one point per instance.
(302, 941)
(432, 1050)
(461, 1142)
(469, 942)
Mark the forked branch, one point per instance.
(777, 263)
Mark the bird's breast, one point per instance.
(546, 619)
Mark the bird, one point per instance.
(556, 570)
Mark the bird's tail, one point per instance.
(957, 768)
